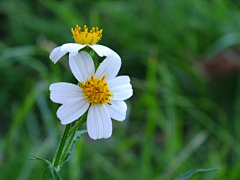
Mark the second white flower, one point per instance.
(101, 92)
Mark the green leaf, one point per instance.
(190, 173)
(71, 147)
(50, 174)
(41, 159)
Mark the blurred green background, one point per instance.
(183, 60)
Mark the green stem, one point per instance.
(61, 146)
(70, 137)
(66, 149)
(78, 123)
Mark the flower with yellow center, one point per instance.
(82, 38)
(96, 90)
(100, 92)
(86, 37)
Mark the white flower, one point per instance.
(101, 92)
(82, 40)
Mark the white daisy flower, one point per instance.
(101, 92)
(82, 40)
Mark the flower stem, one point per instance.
(66, 149)
(78, 123)
(57, 157)
(70, 137)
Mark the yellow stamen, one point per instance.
(86, 37)
(96, 90)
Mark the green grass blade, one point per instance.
(189, 174)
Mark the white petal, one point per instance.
(122, 92)
(110, 66)
(117, 110)
(82, 66)
(72, 110)
(104, 51)
(118, 81)
(71, 47)
(121, 88)
(99, 124)
(56, 54)
(63, 92)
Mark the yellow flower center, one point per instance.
(86, 37)
(96, 90)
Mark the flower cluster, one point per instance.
(99, 92)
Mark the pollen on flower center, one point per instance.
(96, 90)
(85, 37)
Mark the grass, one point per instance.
(183, 60)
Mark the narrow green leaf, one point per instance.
(190, 173)
(70, 150)
(50, 173)
(41, 159)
